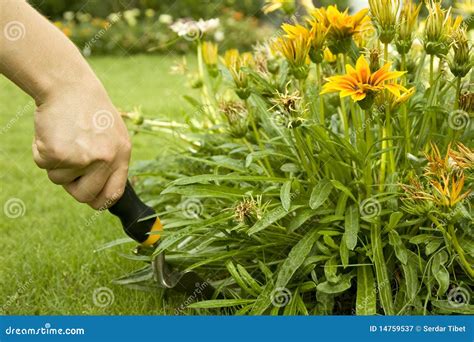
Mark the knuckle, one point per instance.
(83, 197)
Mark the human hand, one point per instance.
(83, 144)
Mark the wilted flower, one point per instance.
(341, 26)
(287, 6)
(237, 118)
(362, 85)
(460, 62)
(439, 28)
(466, 102)
(234, 61)
(385, 13)
(407, 25)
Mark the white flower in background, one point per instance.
(219, 36)
(131, 16)
(190, 28)
(208, 25)
(68, 15)
(165, 19)
(83, 17)
(150, 13)
(114, 17)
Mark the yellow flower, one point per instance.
(234, 61)
(210, 57)
(318, 36)
(287, 6)
(465, 7)
(329, 56)
(361, 84)
(407, 25)
(439, 28)
(295, 46)
(460, 62)
(341, 26)
(385, 17)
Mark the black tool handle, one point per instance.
(130, 209)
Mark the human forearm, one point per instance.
(37, 56)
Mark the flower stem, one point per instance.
(321, 101)
(431, 70)
(345, 120)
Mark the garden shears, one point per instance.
(138, 221)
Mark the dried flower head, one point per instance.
(237, 117)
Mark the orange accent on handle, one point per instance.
(153, 237)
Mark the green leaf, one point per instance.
(410, 271)
(396, 242)
(338, 185)
(114, 243)
(295, 258)
(344, 252)
(136, 277)
(230, 177)
(320, 193)
(330, 270)
(366, 301)
(351, 226)
(285, 195)
(220, 303)
(383, 281)
(330, 288)
(394, 219)
(440, 272)
(206, 190)
(300, 218)
(271, 217)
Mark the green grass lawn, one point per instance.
(48, 261)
